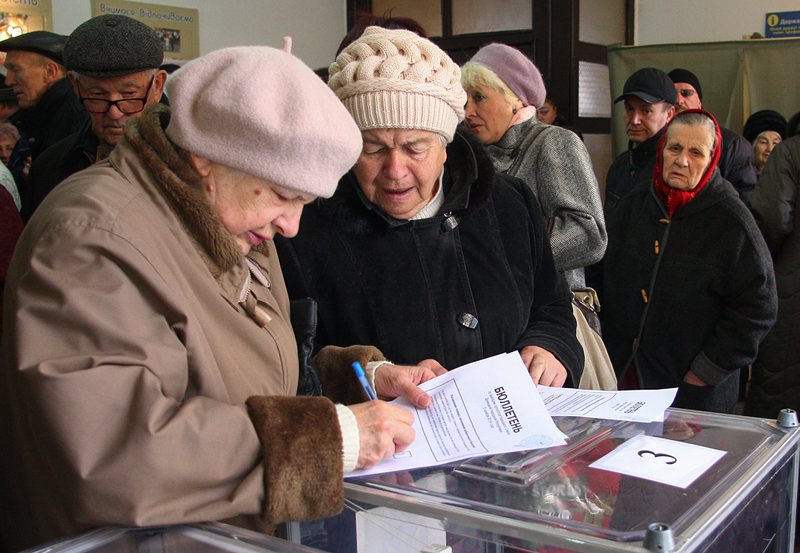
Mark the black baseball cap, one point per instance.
(649, 84)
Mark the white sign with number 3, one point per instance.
(660, 460)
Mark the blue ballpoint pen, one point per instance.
(363, 380)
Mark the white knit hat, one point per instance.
(262, 111)
(395, 79)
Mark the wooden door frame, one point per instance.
(552, 43)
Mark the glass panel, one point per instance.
(558, 486)
(594, 90)
(426, 13)
(601, 21)
(479, 16)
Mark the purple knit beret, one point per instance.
(262, 111)
(516, 70)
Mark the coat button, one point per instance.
(450, 223)
(467, 320)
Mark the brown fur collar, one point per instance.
(179, 183)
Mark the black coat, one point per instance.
(64, 158)
(694, 292)
(57, 115)
(409, 287)
(736, 163)
(776, 204)
(630, 171)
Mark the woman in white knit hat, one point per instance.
(424, 250)
(149, 361)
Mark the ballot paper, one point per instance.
(483, 408)
(628, 405)
(660, 460)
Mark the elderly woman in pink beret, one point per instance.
(149, 363)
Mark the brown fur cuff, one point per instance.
(302, 447)
(336, 371)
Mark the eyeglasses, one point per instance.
(686, 92)
(125, 105)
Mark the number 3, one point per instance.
(655, 455)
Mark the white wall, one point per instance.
(316, 26)
(680, 21)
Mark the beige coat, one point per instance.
(129, 358)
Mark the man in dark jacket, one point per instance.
(736, 162)
(113, 62)
(49, 109)
(424, 250)
(649, 97)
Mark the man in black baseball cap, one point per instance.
(736, 158)
(49, 109)
(113, 63)
(649, 98)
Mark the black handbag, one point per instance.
(304, 323)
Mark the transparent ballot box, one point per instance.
(552, 501)
(211, 537)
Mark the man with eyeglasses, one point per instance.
(113, 63)
(736, 160)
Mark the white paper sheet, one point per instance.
(659, 460)
(487, 407)
(628, 405)
(391, 531)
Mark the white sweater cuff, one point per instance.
(372, 368)
(350, 437)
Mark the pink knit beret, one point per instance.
(395, 79)
(516, 70)
(262, 111)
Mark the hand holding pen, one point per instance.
(362, 379)
(401, 380)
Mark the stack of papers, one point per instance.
(492, 406)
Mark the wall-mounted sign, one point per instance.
(782, 25)
(18, 17)
(179, 28)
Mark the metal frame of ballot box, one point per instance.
(548, 500)
(211, 537)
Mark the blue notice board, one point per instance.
(782, 24)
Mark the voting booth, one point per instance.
(696, 481)
(197, 538)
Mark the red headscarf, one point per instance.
(673, 198)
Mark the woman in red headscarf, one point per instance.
(687, 281)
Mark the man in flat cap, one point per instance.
(49, 109)
(736, 159)
(113, 63)
(649, 97)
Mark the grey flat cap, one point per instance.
(41, 42)
(112, 45)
